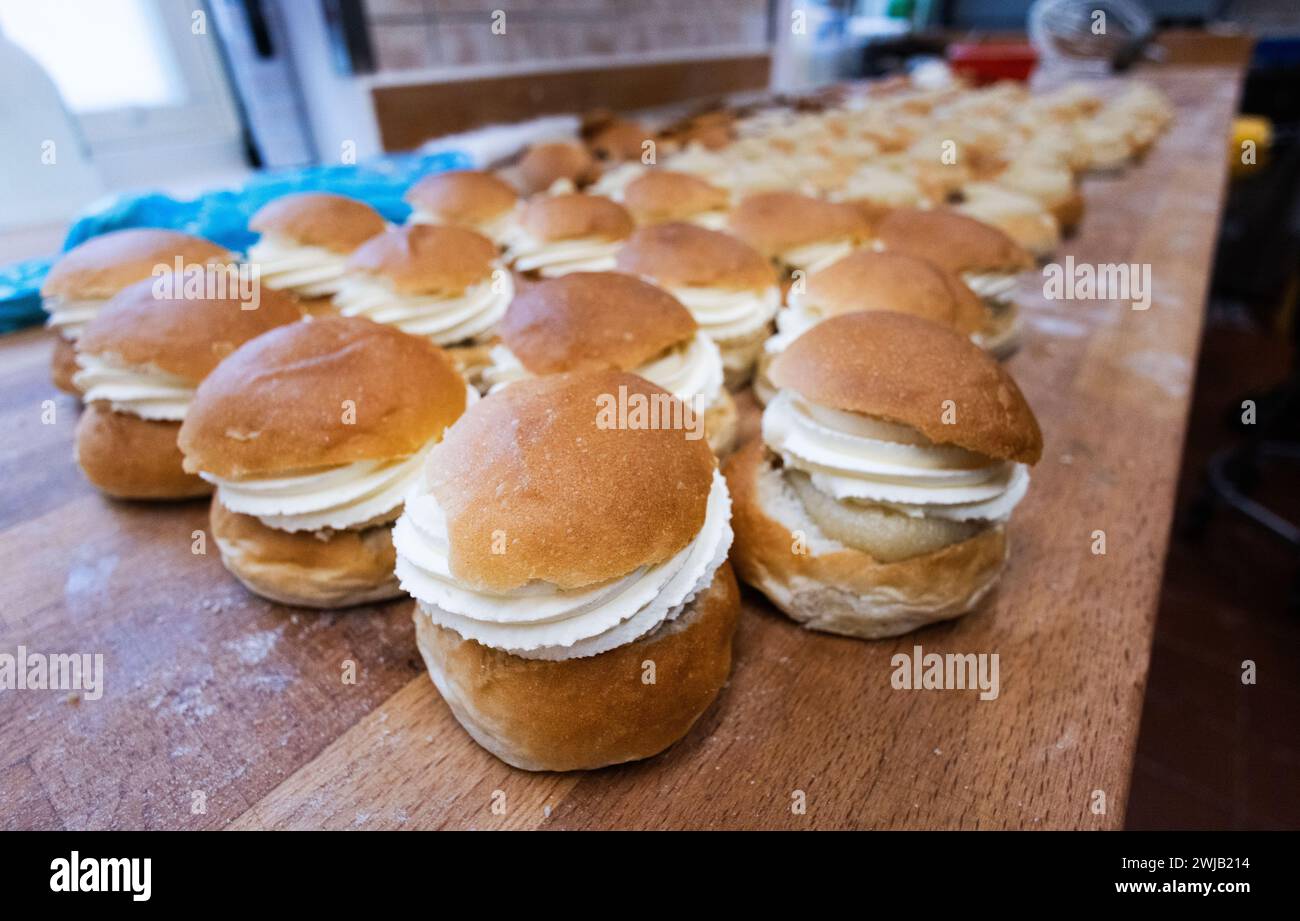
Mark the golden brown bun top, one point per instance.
(663, 195)
(463, 196)
(575, 216)
(326, 391)
(866, 280)
(774, 222)
(593, 320)
(952, 241)
(427, 258)
(903, 369)
(686, 255)
(187, 337)
(104, 265)
(543, 164)
(578, 502)
(334, 222)
(620, 140)
(712, 130)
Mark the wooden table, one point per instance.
(222, 710)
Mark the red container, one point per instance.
(988, 62)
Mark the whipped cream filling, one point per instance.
(1043, 183)
(139, 391)
(613, 181)
(883, 186)
(730, 169)
(70, 316)
(791, 323)
(854, 458)
(587, 254)
(446, 320)
(337, 498)
(310, 271)
(813, 256)
(499, 229)
(727, 315)
(542, 621)
(692, 372)
(996, 288)
(709, 220)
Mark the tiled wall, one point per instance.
(415, 34)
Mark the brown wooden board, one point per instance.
(410, 114)
(215, 697)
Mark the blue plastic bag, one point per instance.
(222, 216)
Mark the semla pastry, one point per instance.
(727, 285)
(549, 162)
(660, 195)
(570, 232)
(608, 320)
(444, 283)
(82, 280)
(474, 199)
(866, 280)
(798, 231)
(139, 363)
(306, 239)
(985, 258)
(313, 434)
(891, 458)
(575, 607)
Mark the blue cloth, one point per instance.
(222, 216)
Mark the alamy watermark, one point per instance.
(103, 874)
(650, 411)
(36, 671)
(209, 281)
(954, 671)
(1109, 281)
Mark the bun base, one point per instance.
(307, 569)
(837, 589)
(128, 457)
(578, 714)
(63, 365)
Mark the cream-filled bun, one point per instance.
(875, 190)
(313, 435)
(798, 231)
(549, 162)
(659, 195)
(444, 283)
(475, 199)
(82, 280)
(1051, 184)
(306, 240)
(727, 285)
(1021, 217)
(139, 362)
(555, 547)
(867, 280)
(617, 140)
(608, 320)
(569, 232)
(878, 497)
(986, 258)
